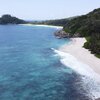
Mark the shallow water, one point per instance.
(30, 69)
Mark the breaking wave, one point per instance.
(90, 79)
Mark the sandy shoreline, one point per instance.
(76, 49)
(50, 26)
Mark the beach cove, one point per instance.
(87, 64)
(30, 69)
(75, 48)
(79, 60)
(33, 67)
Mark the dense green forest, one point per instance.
(8, 19)
(59, 22)
(56, 22)
(87, 26)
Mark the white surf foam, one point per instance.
(90, 80)
(79, 67)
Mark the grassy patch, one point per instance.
(88, 38)
(98, 56)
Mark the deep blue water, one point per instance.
(29, 68)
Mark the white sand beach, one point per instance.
(83, 55)
(50, 26)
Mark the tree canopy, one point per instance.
(87, 26)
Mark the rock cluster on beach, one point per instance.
(62, 34)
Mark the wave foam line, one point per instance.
(70, 61)
(79, 67)
(90, 81)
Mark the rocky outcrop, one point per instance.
(62, 34)
(77, 35)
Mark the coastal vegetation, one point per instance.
(59, 22)
(83, 26)
(8, 19)
(87, 26)
(56, 22)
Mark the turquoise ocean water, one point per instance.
(29, 68)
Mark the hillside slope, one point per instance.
(56, 22)
(87, 26)
(8, 19)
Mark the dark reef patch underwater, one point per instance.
(29, 68)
